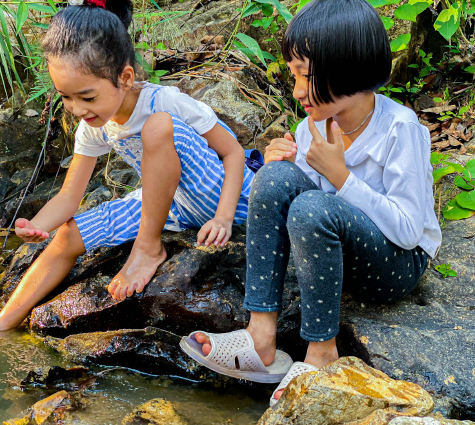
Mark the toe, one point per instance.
(278, 394)
(206, 348)
(201, 337)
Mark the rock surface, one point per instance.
(154, 412)
(427, 421)
(347, 392)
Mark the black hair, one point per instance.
(96, 39)
(346, 44)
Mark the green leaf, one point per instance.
(438, 99)
(468, 10)
(457, 167)
(453, 211)
(267, 10)
(448, 21)
(161, 46)
(400, 43)
(469, 170)
(379, 3)
(388, 22)
(466, 200)
(407, 12)
(40, 8)
(437, 158)
(21, 16)
(142, 45)
(420, 5)
(443, 171)
(470, 69)
(452, 273)
(283, 11)
(252, 45)
(250, 10)
(464, 110)
(302, 3)
(413, 65)
(460, 182)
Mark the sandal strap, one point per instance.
(297, 369)
(226, 347)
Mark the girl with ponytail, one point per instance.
(192, 167)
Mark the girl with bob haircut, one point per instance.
(192, 167)
(351, 198)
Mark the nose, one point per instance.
(300, 88)
(77, 109)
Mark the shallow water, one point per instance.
(116, 395)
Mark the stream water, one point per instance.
(118, 392)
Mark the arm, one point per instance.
(399, 213)
(63, 206)
(232, 155)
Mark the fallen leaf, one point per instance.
(439, 109)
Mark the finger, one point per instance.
(336, 133)
(272, 157)
(131, 289)
(202, 234)
(289, 137)
(313, 130)
(284, 144)
(21, 222)
(226, 238)
(212, 235)
(220, 237)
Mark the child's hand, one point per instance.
(29, 233)
(281, 149)
(218, 231)
(328, 158)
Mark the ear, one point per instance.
(127, 78)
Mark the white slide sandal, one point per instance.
(297, 369)
(233, 354)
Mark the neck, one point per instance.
(360, 105)
(127, 107)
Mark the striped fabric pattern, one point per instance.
(195, 201)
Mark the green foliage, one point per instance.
(445, 270)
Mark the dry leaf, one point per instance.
(441, 145)
(439, 109)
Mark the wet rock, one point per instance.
(22, 178)
(154, 412)
(71, 379)
(150, 350)
(5, 184)
(427, 421)
(127, 177)
(244, 118)
(196, 285)
(49, 410)
(347, 392)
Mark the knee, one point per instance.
(157, 131)
(68, 239)
(309, 211)
(273, 180)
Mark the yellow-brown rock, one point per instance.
(154, 412)
(347, 392)
(49, 409)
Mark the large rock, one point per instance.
(347, 392)
(154, 412)
(150, 350)
(243, 117)
(196, 286)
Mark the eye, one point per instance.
(88, 99)
(64, 97)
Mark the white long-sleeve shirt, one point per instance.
(390, 175)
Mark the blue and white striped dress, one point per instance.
(196, 198)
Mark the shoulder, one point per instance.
(398, 118)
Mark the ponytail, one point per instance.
(94, 38)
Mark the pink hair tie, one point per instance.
(100, 3)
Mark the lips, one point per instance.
(90, 120)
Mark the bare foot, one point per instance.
(138, 271)
(319, 354)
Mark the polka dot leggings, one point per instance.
(334, 245)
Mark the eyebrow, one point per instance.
(80, 92)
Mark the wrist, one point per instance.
(224, 217)
(338, 180)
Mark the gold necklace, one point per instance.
(361, 125)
